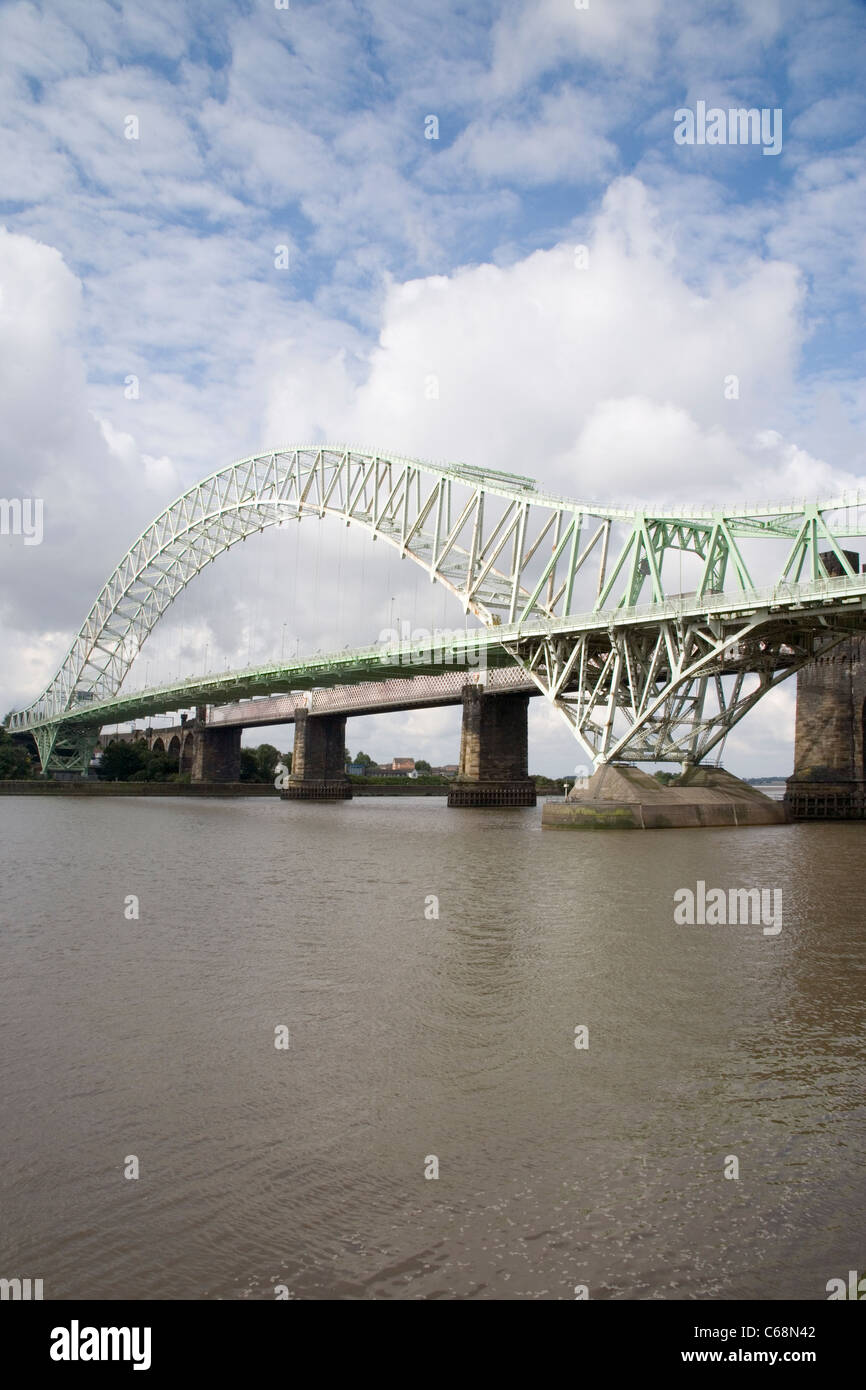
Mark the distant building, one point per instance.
(357, 769)
(403, 765)
(450, 769)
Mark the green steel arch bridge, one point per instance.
(588, 600)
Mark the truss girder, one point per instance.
(513, 556)
(641, 693)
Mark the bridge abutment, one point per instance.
(318, 759)
(493, 751)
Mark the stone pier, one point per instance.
(216, 754)
(319, 759)
(493, 751)
(829, 778)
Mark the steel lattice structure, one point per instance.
(579, 595)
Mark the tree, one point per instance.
(421, 765)
(15, 761)
(364, 760)
(120, 761)
(259, 764)
(267, 757)
(160, 766)
(249, 765)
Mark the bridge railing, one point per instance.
(327, 670)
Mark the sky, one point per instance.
(230, 226)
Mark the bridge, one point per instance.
(652, 632)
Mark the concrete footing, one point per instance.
(830, 800)
(623, 797)
(310, 790)
(492, 793)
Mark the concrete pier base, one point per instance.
(492, 793)
(317, 791)
(493, 751)
(828, 800)
(622, 797)
(318, 759)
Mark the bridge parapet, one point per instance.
(369, 697)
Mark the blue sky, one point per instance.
(408, 256)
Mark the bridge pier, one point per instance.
(216, 754)
(493, 751)
(318, 759)
(829, 778)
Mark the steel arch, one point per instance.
(393, 498)
(575, 592)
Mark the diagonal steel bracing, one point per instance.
(588, 599)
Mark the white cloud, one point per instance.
(563, 142)
(411, 260)
(92, 479)
(622, 35)
(606, 381)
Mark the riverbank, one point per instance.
(87, 787)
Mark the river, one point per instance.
(430, 972)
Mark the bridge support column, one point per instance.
(65, 752)
(829, 778)
(493, 751)
(318, 759)
(216, 754)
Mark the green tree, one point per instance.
(120, 761)
(160, 767)
(267, 757)
(364, 760)
(259, 764)
(15, 761)
(249, 765)
(422, 765)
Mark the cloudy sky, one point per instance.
(580, 286)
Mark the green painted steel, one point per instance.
(578, 594)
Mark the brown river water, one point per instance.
(413, 1036)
